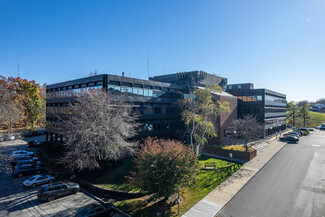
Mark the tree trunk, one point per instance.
(304, 121)
(10, 127)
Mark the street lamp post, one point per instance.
(178, 199)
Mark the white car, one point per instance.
(21, 153)
(11, 137)
(38, 180)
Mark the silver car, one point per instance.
(20, 153)
(38, 180)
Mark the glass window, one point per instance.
(148, 86)
(126, 84)
(150, 92)
(156, 93)
(135, 91)
(146, 92)
(99, 83)
(140, 92)
(137, 85)
(114, 82)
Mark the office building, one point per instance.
(268, 106)
(155, 100)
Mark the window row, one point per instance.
(58, 110)
(151, 127)
(76, 86)
(278, 121)
(155, 110)
(144, 92)
(250, 98)
(274, 110)
(70, 92)
(138, 110)
(275, 99)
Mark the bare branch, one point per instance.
(98, 128)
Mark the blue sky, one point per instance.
(279, 45)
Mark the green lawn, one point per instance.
(315, 119)
(117, 178)
(207, 181)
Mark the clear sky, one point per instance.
(275, 44)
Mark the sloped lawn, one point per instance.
(207, 181)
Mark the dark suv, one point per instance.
(33, 144)
(322, 127)
(57, 189)
(27, 170)
(20, 158)
(289, 139)
(30, 162)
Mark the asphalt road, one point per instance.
(291, 184)
(17, 201)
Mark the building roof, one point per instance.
(222, 93)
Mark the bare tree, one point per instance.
(10, 107)
(248, 129)
(98, 127)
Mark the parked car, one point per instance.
(27, 170)
(93, 210)
(17, 159)
(8, 137)
(54, 190)
(98, 210)
(29, 162)
(38, 180)
(317, 128)
(33, 144)
(42, 132)
(289, 139)
(21, 153)
(300, 132)
(292, 134)
(11, 137)
(303, 129)
(28, 134)
(322, 127)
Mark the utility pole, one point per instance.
(18, 67)
(148, 66)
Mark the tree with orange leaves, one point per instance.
(32, 101)
(163, 165)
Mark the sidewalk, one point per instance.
(210, 205)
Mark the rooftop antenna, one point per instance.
(164, 70)
(148, 65)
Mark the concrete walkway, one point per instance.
(210, 205)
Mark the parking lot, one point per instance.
(16, 200)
